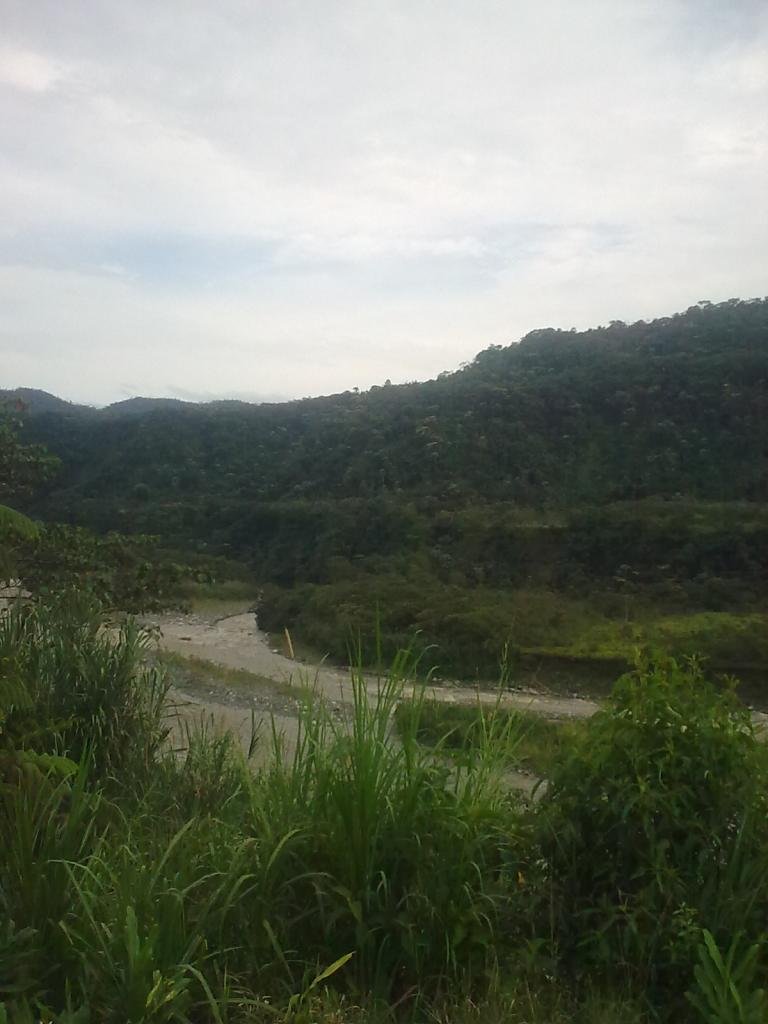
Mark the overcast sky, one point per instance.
(260, 198)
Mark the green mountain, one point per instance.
(675, 406)
(628, 461)
(35, 401)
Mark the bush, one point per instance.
(653, 827)
(85, 689)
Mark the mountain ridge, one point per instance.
(675, 405)
(38, 400)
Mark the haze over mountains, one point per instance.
(37, 401)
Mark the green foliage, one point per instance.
(565, 499)
(84, 692)
(23, 467)
(725, 990)
(644, 820)
(130, 573)
(15, 526)
(407, 859)
(457, 630)
(41, 828)
(575, 641)
(539, 743)
(127, 572)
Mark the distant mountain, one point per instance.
(36, 401)
(676, 406)
(141, 406)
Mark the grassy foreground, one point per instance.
(364, 878)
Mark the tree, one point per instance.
(22, 468)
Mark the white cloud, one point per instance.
(312, 196)
(26, 70)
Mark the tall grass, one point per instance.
(537, 744)
(84, 676)
(361, 875)
(404, 857)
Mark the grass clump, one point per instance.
(539, 742)
(408, 860)
(76, 685)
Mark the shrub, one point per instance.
(85, 689)
(652, 826)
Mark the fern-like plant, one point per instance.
(725, 991)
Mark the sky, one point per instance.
(269, 199)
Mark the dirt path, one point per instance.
(235, 641)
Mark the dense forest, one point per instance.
(569, 496)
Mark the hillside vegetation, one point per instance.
(572, 496)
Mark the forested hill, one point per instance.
(677, 406)
(572, 496)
